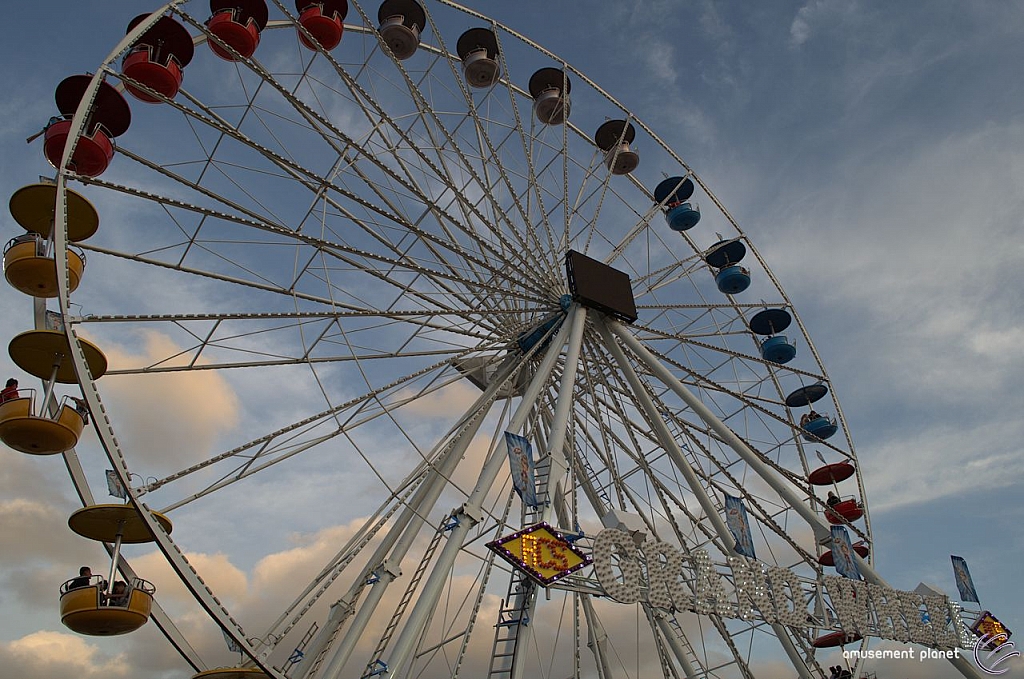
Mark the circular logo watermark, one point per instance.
(1000, 649)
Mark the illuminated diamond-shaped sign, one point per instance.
(541, 552)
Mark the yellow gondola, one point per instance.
(90, 610)
(33, 207)
(232, 673)
(105, 608)
(25, 430)
(43, 353)
(33, 273)
(29, 264)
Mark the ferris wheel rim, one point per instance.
(66, 308)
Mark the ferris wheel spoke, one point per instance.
(268, 363)
(423, 320)
(510, 176)
(532, 190)
(639, 456)
(693, 430)
(480, 295)
(596, 172)
(544, 214)
(658, 481)
(742, 389)
(376, 111)
(312, 181)
(216, 338)
(448, 235)
(336, 251)
(336, 566)
(284, 442)
(703, 377)
(720, 477)
(489, 153)
(400, 538)
(745, 403)
(427, 111)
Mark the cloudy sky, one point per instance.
(874, 153)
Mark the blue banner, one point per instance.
(842, 553)
(964, 583)
(736, 519)
(520, 459)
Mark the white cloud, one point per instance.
(941, 461)
(56, 655)
(812, 15)
(454, 398)
(229, 582)
(173, 416)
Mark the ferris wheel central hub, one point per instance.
(598, 286)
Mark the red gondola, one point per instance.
(846, 511)
(108, 117)
(238, 24)
(833, 639)
(831, 473)
(826, 559)
(158, 59)
(324, 19)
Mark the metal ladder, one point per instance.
(691, 655)
(514, 612)
(319, 659)
(511, 617)
(376, 667)
(297, 654)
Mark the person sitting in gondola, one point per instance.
(833, 499)
(119, 595)
(30, 238)
(84, 578)
(82, 408)
(10, 392)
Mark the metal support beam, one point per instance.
(753, 460)
(597, 638)
(411, 523)
(676, 455)
(401, 536)
(558, 466)
(470, 514)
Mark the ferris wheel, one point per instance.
(431, 288)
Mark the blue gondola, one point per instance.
(725, 256)
(777, 349)
(673, 193)
(733, 279)
(819, 429)
(683, 217)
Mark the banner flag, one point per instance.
(736, 519)
(232, 644)
(964, 583)
(520, 459)
(114, 487)
(842, 553)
